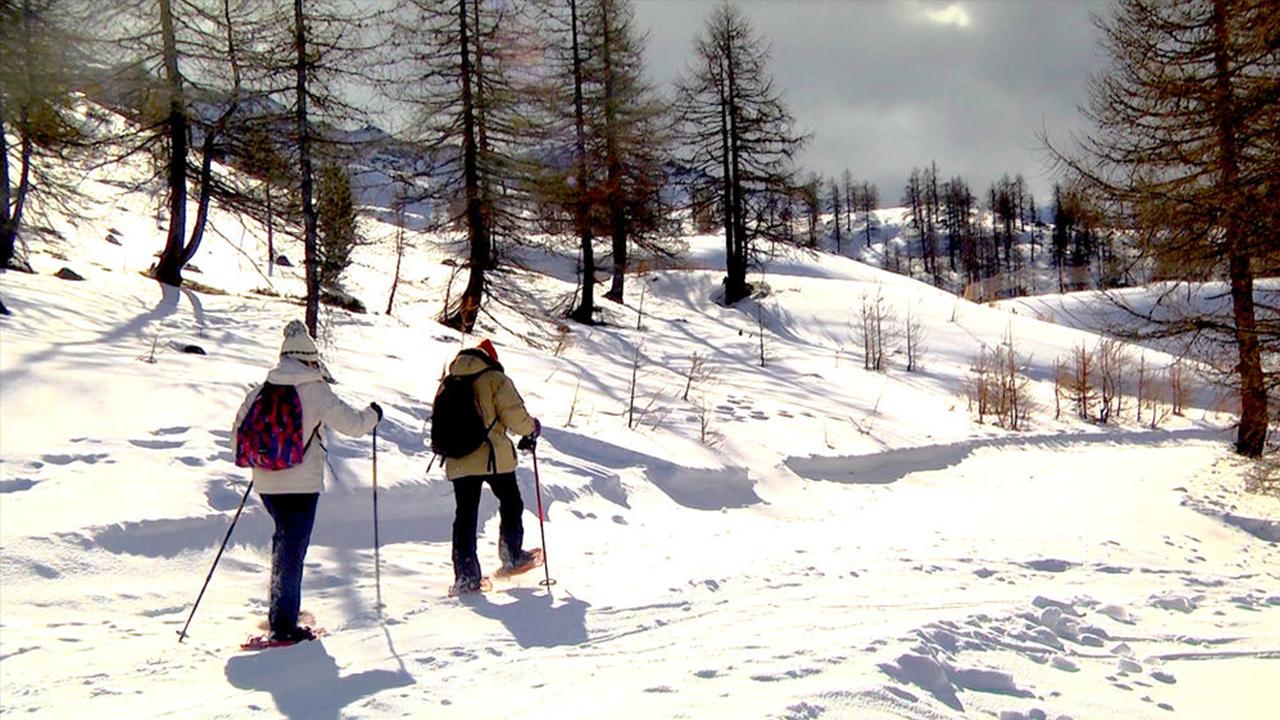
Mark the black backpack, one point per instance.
(457, 429)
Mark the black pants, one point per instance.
(294, 515)
(466, 491)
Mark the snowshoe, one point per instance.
(299, 634)
(526, 562)
(470, 587)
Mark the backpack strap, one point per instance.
(315, 435)
(491, 465)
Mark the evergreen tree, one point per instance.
(1182, 150)
(456, 59)
(835, 212)
(335, 224)
(36, 84)
(737, 132)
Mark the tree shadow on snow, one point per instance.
(304, 680)
(534, 619)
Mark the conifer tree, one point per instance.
(456, 58)
(1182, 150)
(737, 131)
(36, 81)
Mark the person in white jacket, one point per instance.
(290, 495)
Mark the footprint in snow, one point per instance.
(90, 458)
(158, 444)
(1052, 565)
(788, 675)
(805, 711)
(17, 485)
(175, 430)
(1173, 602)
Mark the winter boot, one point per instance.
(522, 563)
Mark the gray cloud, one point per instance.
(885, 89)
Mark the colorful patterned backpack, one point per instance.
(270, 436)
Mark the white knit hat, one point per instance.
(298, 343)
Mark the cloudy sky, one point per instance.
(887, 86)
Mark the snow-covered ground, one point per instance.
(804, 539)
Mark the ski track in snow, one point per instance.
(935, 656)
(892, 465)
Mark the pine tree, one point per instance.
(1182, 149)
(456, 60)
(335, 224)
(846, 180)
(187, 58)
(36, 82)
(809, 192)
(737, 132)
(835, 212)
(635, 140)
(603, 115)
(869, 199)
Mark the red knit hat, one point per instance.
(488, 349)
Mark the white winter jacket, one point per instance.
(320, 406)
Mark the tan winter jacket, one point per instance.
(320, 406)
(496, 398)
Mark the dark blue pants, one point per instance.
(294, 514)
(466, 491)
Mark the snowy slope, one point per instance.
(843, 544)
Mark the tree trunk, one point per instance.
(8, 230)
(169, 268)
(613, 178)
(585, 313)
(848, 208)
(737, 288)
(480, 103)
(464, 316)
(210, 141)
(271, 232)
(395, 278)
(304, 160)
(11, 215)
(866, 217)
(731, 291)
(1252, 435)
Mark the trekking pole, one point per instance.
(182, 634)
(537, 487)
(377, 553)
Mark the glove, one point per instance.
(378, 409)
(537, 429)
(528, 442)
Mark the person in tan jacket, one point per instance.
(501, 409)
